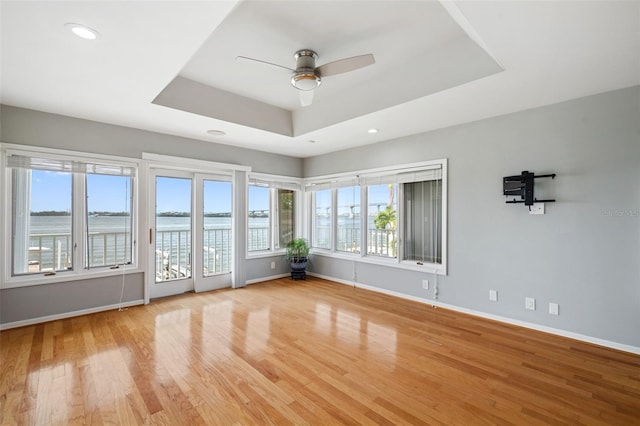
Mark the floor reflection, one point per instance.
(172, 343)
(258, 331)
(46, 389)
(378, 339)
(217, 330)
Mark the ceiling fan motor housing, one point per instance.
(305, 77)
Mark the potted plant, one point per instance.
(298, 254)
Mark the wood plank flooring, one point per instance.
(311, 352)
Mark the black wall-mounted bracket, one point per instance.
(522, 186)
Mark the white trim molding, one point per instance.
(263, 279)
(65, 315)
(545, 329)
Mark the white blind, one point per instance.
(417, 175)
(68, 165)
(274, 183)
(420, 175)
(333, 183)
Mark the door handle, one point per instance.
(150, 235)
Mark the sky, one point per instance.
(52, 191)
(378, 196)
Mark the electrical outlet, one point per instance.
(530, 303)
(273, 265)
(554, 309)
(425, 284)
(493, 295)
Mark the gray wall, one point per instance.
(26, 303)
(27, 127)
(583, 254)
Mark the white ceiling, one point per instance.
(422, 50)
(550, 51)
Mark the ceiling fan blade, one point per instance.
(264, 62)
(306, 97)
(345, 65)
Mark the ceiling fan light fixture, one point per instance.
(305, 80)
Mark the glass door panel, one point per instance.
(171, 234)
(173, 228)
(217, 202)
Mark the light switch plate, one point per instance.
(536, 208)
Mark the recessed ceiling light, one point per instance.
(372, 131)
(82, 31)
(214, 132)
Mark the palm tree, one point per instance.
(385, 219)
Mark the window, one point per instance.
(322, 222)
(422, 218)
(404, 216)
(272, 213)
(258, 219)
(67, 212)
(109, 207)
(41, 221)
(348, 223)
(286, 217)
(382, 223)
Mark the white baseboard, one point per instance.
(525, 324)
(64, 315)
(272, 277)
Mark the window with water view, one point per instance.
(66, 213)
(403, 214)
(270, 218)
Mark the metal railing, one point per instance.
(380, 242)
(53, 252)
(173, 251)
(109, 248)
(49, 252)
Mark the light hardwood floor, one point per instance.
(312, 352)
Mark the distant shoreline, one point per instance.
(58, 213)
(122, 214)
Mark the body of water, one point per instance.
(109, 241)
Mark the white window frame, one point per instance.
(368, 177)
(80, 270)
(312, 222)
(274, 182)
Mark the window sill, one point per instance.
(66, 276)
(265, 253)
(387, 262)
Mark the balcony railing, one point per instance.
(173, 253)
(53, 252)
(49, 252)
(380, 242)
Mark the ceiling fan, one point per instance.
(306, 76)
